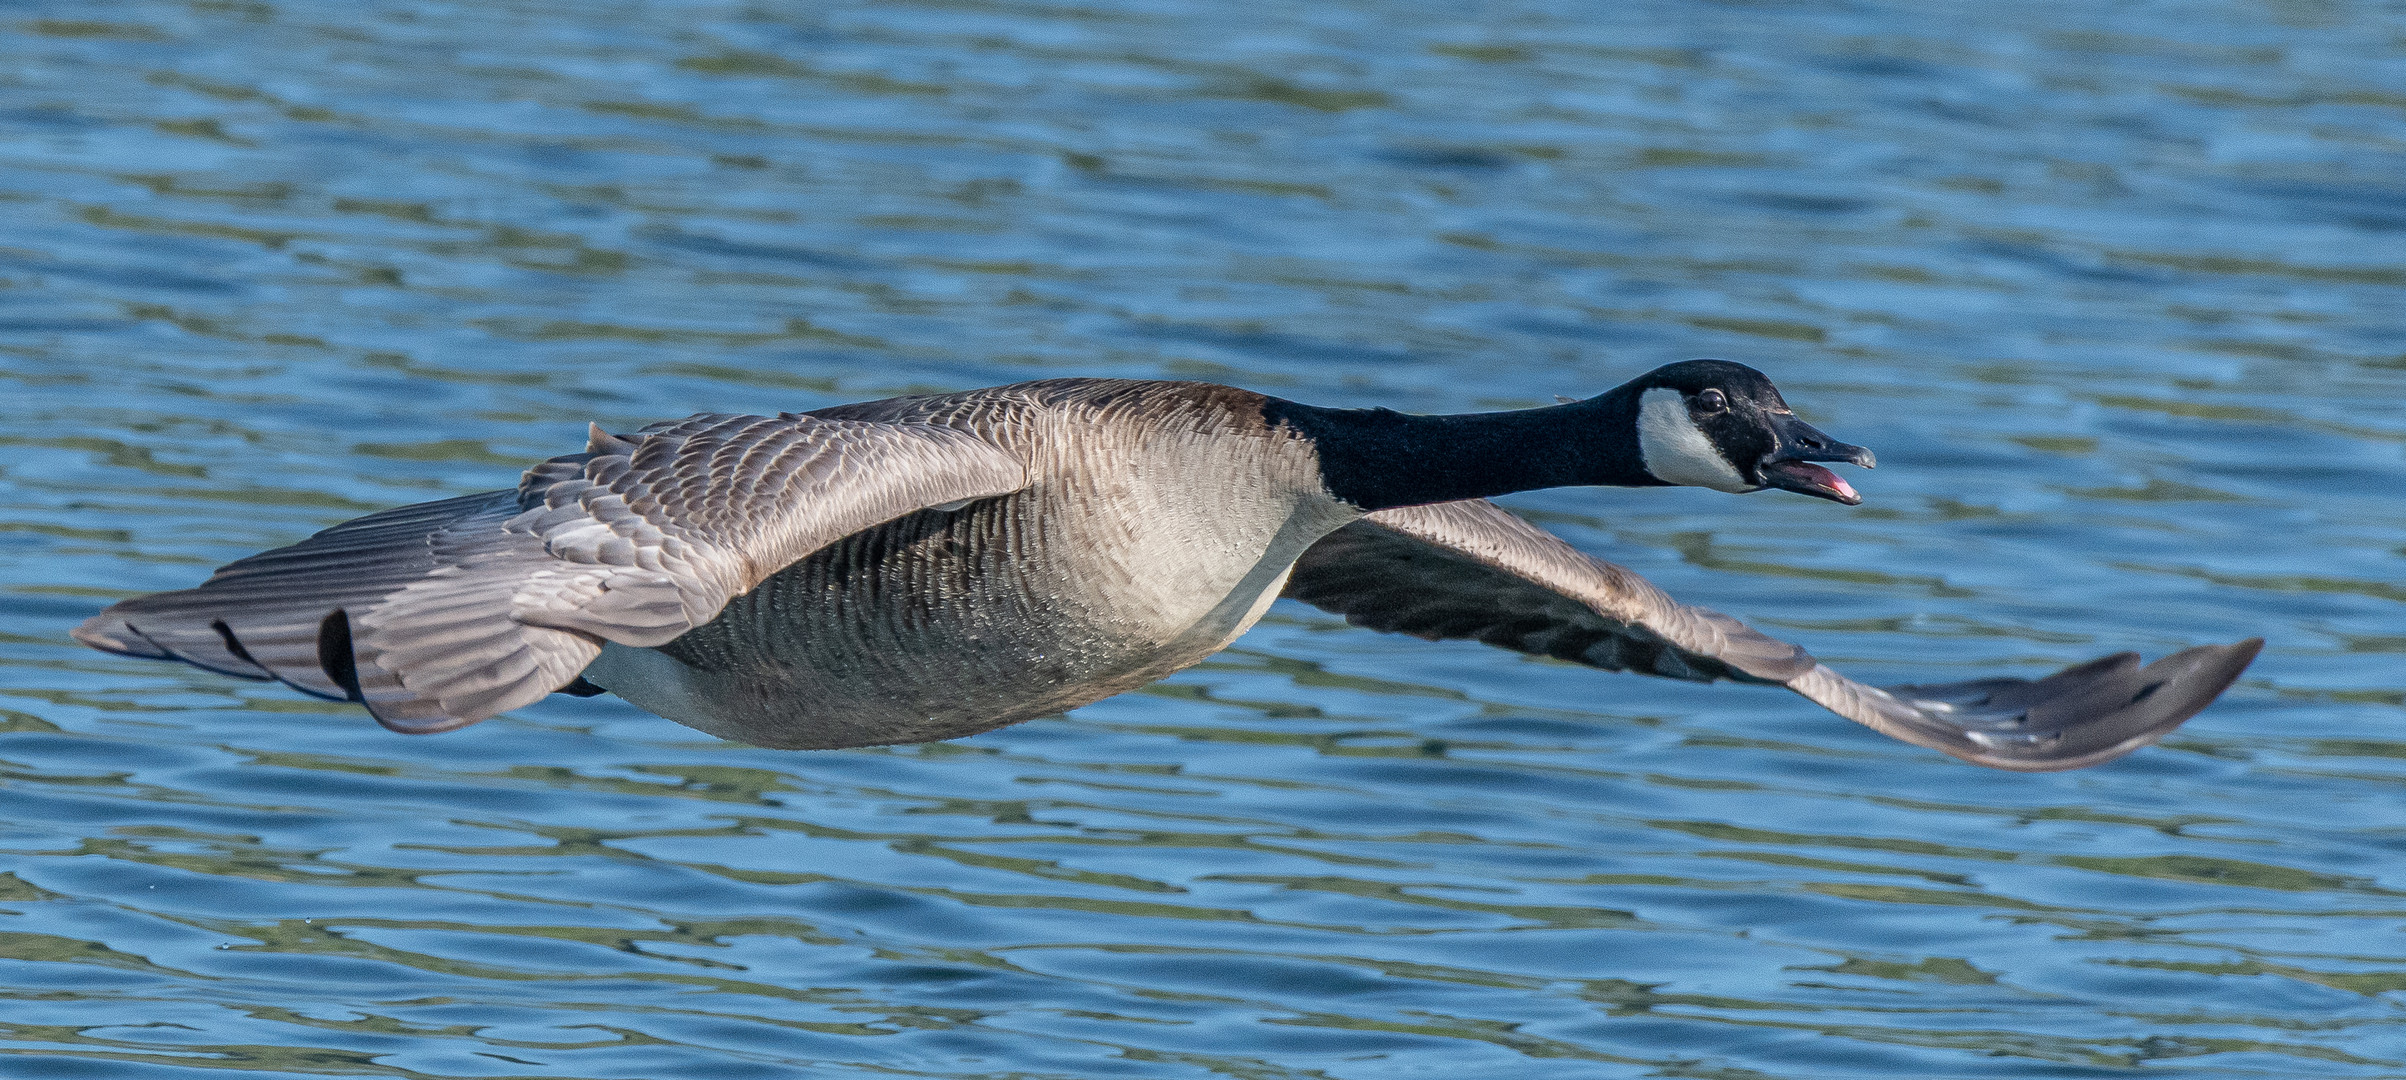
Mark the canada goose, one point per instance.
(929, 567)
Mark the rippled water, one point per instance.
(2114, 290)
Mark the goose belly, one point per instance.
(938, 625)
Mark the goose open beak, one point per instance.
(1789, 464)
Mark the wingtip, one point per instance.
(109, 633)
(2192, 679)
(2086, 714)
(2211, 669)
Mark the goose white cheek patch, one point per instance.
(1676, 451)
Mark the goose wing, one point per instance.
(438, 615)
(1472, 570)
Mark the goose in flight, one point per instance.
(930, 567)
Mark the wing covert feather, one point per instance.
(1471, 569)
(655, 532)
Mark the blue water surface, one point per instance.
(2117, 292)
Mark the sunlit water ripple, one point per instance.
(2114, 290)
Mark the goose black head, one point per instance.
(1715, 424)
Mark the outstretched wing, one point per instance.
(439, 615)
(1472, 570)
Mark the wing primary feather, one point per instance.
(334, 655)
(234, 645)
(170, 653)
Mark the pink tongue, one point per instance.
(1815, 474)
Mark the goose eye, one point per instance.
(1711, 401)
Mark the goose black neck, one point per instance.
(1378, 458)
